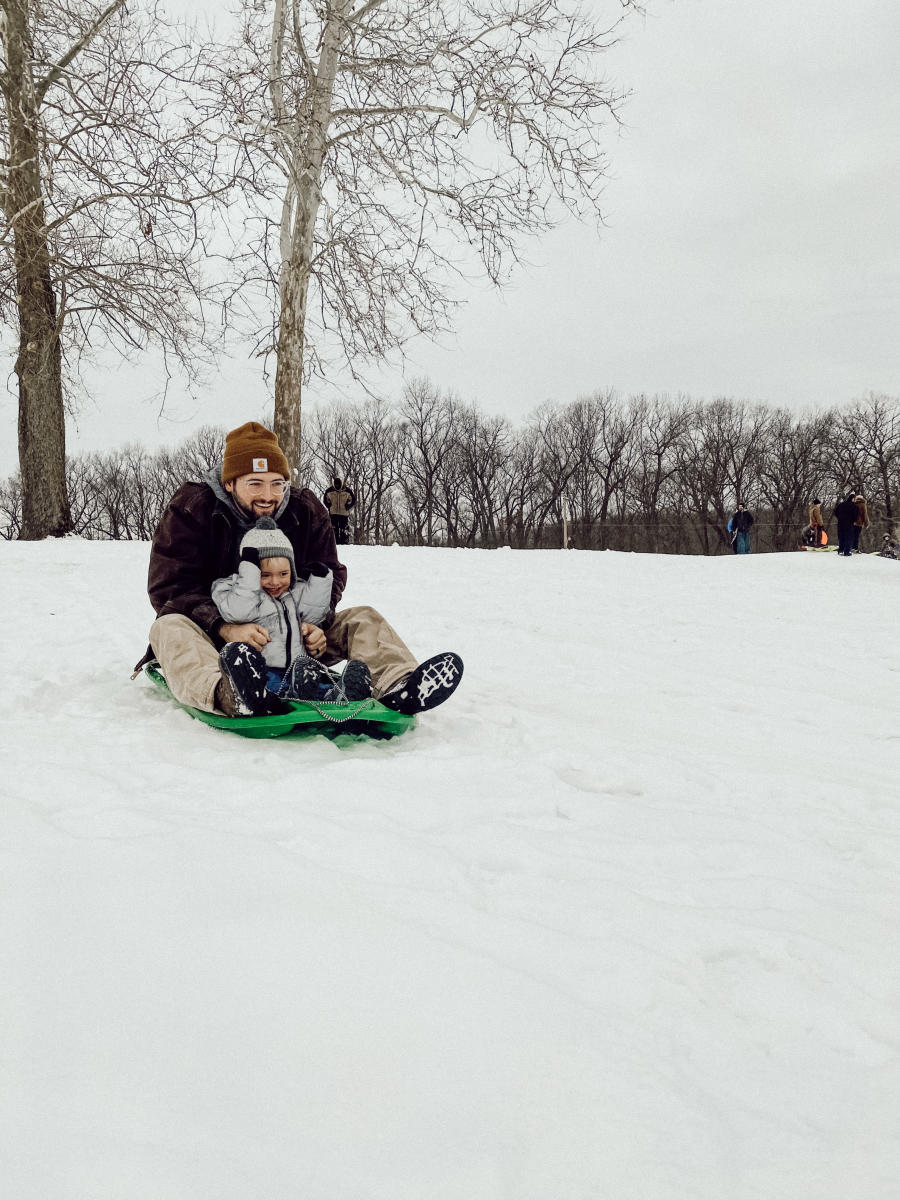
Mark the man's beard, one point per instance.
(253, 510)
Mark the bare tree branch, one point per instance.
(55, 74)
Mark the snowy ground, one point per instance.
(617, 923)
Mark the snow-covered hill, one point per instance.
(617, 923)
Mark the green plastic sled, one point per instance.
(361, 718)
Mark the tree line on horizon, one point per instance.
(656, 474)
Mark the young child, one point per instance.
(267, 590)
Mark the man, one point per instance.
(740, 524)
(339, 500)
(213, 665)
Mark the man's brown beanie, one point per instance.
(250, 449)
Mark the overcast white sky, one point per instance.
(752, 246)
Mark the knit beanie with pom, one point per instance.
(269, 542)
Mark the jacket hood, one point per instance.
(247, 520)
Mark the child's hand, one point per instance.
(313, 638)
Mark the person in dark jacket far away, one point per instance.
(740, 530)
(339, 500)
(845, 513)
(216, 665)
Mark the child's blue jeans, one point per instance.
(278, 681)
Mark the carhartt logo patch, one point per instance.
(260, 464)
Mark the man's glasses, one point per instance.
(256, 487)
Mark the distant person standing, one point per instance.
(845, 513)
(817, 524)
(741, 522)
(862, 519)
(339, 500)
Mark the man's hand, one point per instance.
(253, 635)
(313, 638)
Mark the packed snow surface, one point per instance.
(619, 922)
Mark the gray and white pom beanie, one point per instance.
(270, 542)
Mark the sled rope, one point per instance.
(327, 716)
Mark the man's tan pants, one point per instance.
(190, 660)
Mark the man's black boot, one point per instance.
(430, 684)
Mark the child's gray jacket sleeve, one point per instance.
(239, 597)
(312, 597)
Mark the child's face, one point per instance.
(275, 576)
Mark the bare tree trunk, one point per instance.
(289, 369)
(42, 431)
(300, 212)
